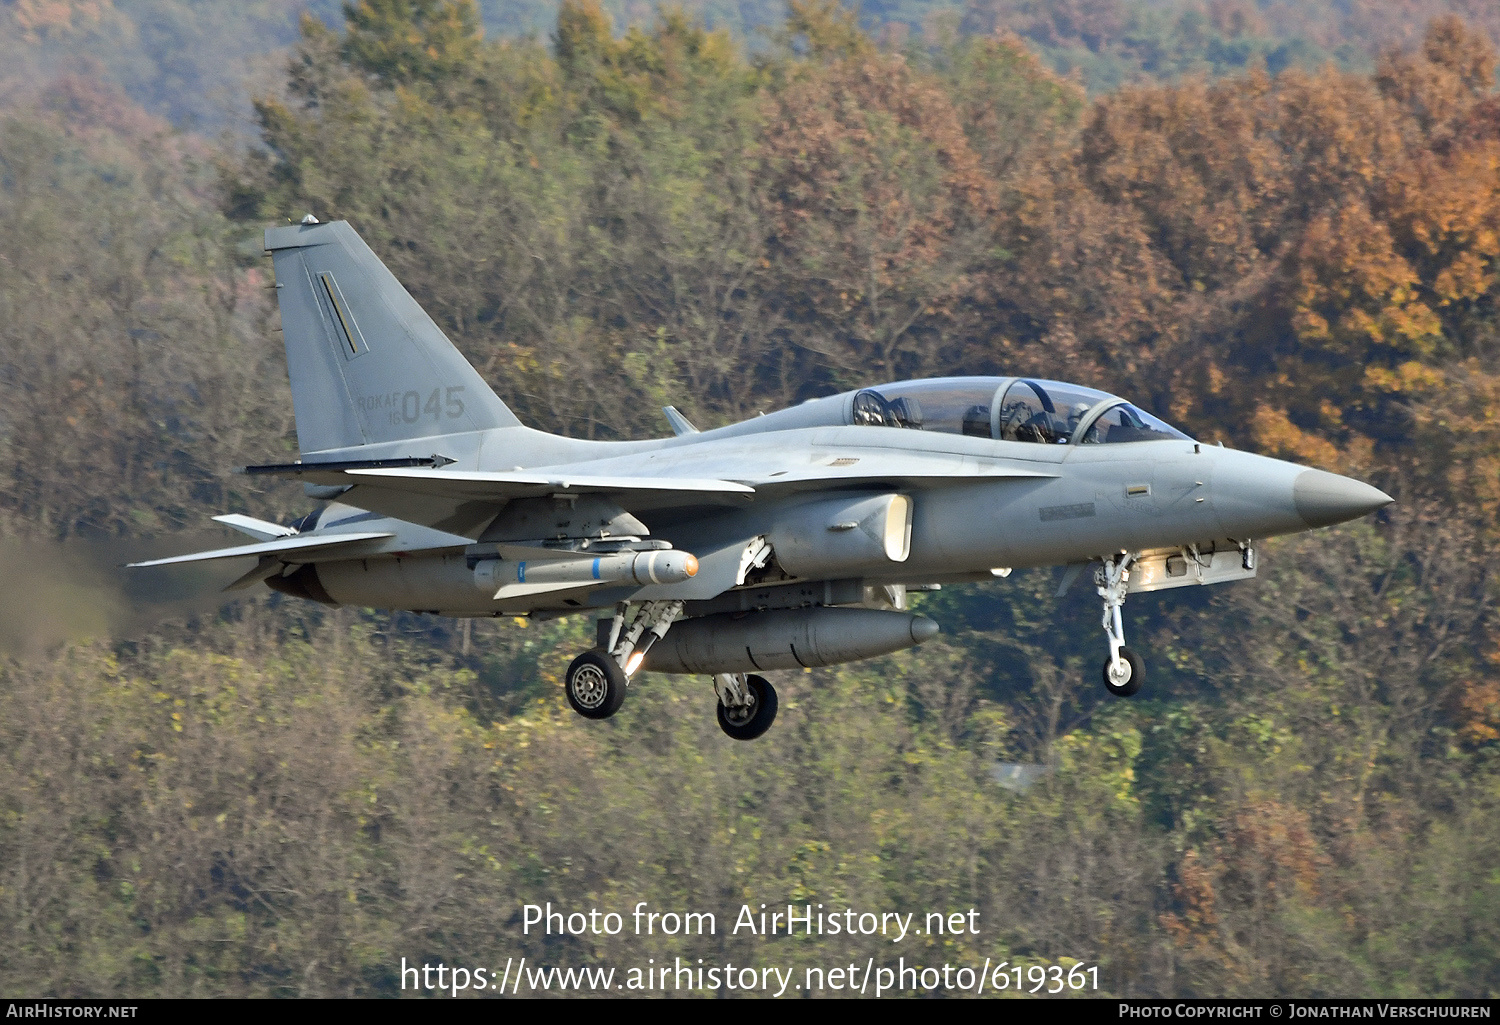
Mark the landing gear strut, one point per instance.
(747, 704)
(597, 680)
(1124, 672)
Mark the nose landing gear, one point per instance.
(1124, 672)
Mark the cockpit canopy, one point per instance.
(1010, 409)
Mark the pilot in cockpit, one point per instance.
(1015, 409)
(1075, 415)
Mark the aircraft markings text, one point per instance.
(410, 406)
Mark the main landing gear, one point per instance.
(597, 680)
(1124, 672)
(747, 704)
(596, 685)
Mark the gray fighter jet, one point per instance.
(789, 540)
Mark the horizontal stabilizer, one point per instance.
(300, 545)
(261, 530)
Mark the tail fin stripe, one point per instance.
(356, 341)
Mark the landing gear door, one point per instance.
(1163, 568)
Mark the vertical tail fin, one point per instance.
(367, 364)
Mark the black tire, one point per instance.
(595, 684)
(750, 723)
(1132, 683)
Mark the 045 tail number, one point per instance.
(440, 403)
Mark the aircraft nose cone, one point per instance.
(922, 629)
(1326, 498)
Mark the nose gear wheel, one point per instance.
(1124, 672)
(1123, 675)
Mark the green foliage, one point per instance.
(1110, 43)
(131, 355)
(403, 41)
(825, 30)
(280, 805)
(195, 61)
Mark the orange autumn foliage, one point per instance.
(1304, 264)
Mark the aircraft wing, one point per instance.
(423, 490)
(479, 484)
(771, 469)
(902, 474)
(300, 545)
(435, 496)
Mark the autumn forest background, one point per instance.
(1275, 224)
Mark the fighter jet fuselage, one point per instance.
(968, 506)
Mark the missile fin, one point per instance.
(521, 590)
